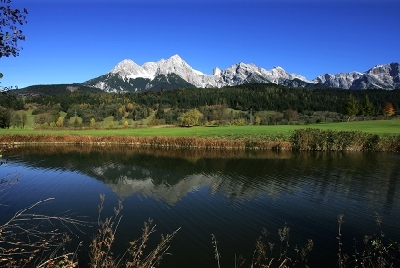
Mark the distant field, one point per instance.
(375, 126)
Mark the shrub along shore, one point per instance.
(309, 139)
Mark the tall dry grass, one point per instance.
(29, 239)
(266, 254)
(302, 139)
(155, 142)
(137, 255)
(375, 250)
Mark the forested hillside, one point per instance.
(250, 103)
(56, 89)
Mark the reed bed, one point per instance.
(155, 142)
(309, 139)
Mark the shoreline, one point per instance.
(155, 142)
(301, 140)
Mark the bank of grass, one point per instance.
(376, 135)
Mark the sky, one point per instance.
(72, 41)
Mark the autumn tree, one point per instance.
(92, 122)
(291, 115)
(388, 109)
(190, 118)
(60, 122)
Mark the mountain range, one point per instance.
(127, 76)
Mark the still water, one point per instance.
(233, 195)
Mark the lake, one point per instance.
(231, 194)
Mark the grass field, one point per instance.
(380, 127)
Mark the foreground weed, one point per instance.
(27, 236)
(136, 256)
(263, 254)
(217, 255)
(375, 251)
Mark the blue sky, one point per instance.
(74, 41)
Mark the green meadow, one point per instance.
(380, 127)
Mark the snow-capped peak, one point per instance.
(176, 57)
(124, 65)
(175, 64)
(380, 76)
(129, 69)
(176, 60)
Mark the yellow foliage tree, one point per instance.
(60, 122)
(129, 107)
(190, 118)
(126, 124)
(92, 122)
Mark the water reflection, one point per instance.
(240, 175)
(232, 194)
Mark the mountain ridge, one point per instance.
(127, 76)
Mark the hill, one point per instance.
(55, 89)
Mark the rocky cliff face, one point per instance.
(381, 76)
(129, 76)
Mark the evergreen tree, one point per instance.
(351, 107)
(368, 108)
(5, 117)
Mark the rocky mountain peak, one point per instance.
(124, 65)
(381, 76)
(174, 61)
(379, 69)
(176, 57)
(216, 71)
(129, 69)
(391, 69)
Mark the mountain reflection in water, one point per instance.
(232, 194)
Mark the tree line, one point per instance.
(246, 102)
(258, 97)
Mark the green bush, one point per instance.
(312, 139)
